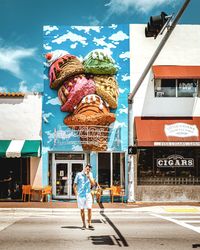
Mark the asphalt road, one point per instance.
(115, 229)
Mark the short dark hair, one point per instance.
(88, 165)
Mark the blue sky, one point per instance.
(21, 30)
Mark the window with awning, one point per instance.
(176, 81)
(20, 148)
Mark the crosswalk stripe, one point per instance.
(179, 222)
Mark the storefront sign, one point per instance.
(177, 144)
(175, 161)
(181, 130)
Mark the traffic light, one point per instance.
(155, 25)
(132, 150)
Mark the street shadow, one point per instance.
(72, 227)
(119, 234)
(102, 240)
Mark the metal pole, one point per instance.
(132, 158)
(157, 52)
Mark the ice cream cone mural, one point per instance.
(86, 91)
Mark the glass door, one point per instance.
(64, 173)
(62, 180)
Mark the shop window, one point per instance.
(168, 166)
(64, 156)
(111, 169)
(176, 88)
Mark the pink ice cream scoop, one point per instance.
(73, 90)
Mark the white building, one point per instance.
(166, 112)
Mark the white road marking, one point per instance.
(179, 222)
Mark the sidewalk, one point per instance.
(115, 205)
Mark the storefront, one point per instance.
(19, 158)
(85, 116)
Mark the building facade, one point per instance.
(20, 143)
(166, 116)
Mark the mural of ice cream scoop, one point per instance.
(73, 90)
(99, 62)
(91, 118)
(107, 88)
(62, 66)
(87, 97)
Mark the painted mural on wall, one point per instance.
(86, 88)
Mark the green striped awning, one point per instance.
(20, 148)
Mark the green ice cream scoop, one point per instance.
(98, 62)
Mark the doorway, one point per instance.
(63, 176)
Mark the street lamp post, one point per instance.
(149, 32)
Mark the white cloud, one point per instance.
(87, 29)
(3, 89)
(121, 91)
(47, 47)
(74, 45)
(101, 42)
(49, 29)
(113, 26)
(125, 77)
(124, 109)
(37, 87)
(11, 59)
(119, 36)
(118, 124)
(45, 116)
(45, 77)
(144, 6)
(53, 101)
(125, 55)
(72, 37)
(22, 87)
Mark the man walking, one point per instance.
(82, 189)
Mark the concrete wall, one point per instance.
(168, 193)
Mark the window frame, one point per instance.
(158, 82)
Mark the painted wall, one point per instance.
(20, 117)
(182, 48)
(79, 41)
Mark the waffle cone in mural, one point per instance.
(91, 118)
(73, 90)
(63, 68)
(107, 88)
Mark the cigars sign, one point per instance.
(175, 161)
(86, 87)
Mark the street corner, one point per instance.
(181, 209)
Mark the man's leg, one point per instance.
(89, 216)
(83, 217)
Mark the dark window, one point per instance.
(111, 169)
(176, 88)
(169, 166)
(187, 88)
(165, 88)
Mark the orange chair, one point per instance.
(45, 192)
(117, 191)
(26, 191)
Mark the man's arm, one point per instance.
(75, 189)
(90, 177)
